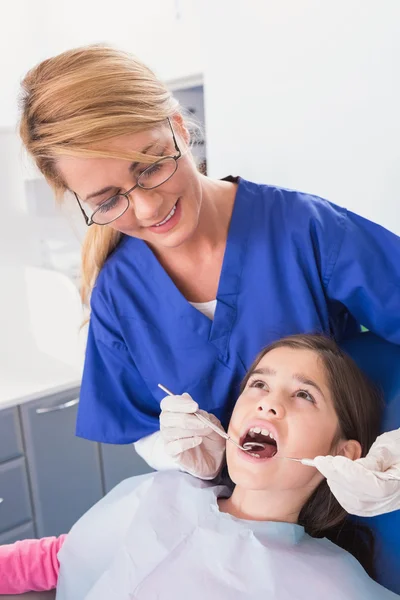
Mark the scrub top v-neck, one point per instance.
(164, 296)
(293, 263)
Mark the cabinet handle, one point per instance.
(49, 409)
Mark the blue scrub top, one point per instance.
(293, 263)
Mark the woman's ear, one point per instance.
(179, 124)
(350, 449)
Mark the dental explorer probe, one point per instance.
(308, 462)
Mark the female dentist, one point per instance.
(189, 277)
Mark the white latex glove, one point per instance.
(363, 487)
(195, 447)
(152, 449)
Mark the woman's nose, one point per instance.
(146, 206)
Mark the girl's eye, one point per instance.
(258, 383)
(305, 396)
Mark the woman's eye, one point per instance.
(305, 396)
(108, 205)
(151, 170)
(258, 383)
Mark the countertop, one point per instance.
(41, 339)
(34, 378)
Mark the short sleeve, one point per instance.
(362, 272)
(115, 404)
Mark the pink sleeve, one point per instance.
(30, 565)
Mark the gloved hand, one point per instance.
(363, 487)
(196, 448)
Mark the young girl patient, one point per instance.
(170, 536)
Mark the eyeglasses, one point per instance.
(155, 175)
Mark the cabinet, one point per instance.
(16, 518)
(119, 463)
(24, 532)
(10, 435)
(15, 505)
(48, 476)
(64, 470)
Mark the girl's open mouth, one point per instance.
(265, 445)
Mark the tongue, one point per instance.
(268, 452)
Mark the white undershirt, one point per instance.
(207, 308)
(151, 447)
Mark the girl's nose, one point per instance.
(272, 407)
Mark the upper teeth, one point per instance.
(167, 218)
(256, 430)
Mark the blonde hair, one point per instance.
(73, 102)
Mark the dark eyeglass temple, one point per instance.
(82, 211)
(173, 136)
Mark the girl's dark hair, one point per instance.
(358, 406)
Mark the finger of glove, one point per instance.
(343, 473)
(389, 439)
(373, 461)
(329, 466)
(372, 476)
(182, 421)
(363, 506)
(179, 404)
(386, 457)
(177, 433)
(212, 418)
(340, 469)
(385, 451)
(347, 500)
(350, 504)
(177, 447)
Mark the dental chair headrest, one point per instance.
(380, 360)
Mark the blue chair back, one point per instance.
(380, 360)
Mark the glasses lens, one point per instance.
(110, 210)
(157, 173)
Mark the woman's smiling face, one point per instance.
(165, 216)
(288, 395)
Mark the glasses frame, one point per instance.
(89, 220)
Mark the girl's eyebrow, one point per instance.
(306, 381)
(263, 371)
(297, 377)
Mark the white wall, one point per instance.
(17, 244)
(163, 33)
(301, 93)
(159, 32)
(306, 94)
(16, 43)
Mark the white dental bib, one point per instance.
(162, 536)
